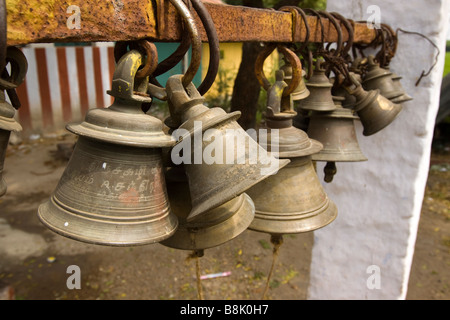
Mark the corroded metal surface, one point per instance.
(35, 21)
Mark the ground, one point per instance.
(34, 260)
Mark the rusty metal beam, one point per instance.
(45, 21)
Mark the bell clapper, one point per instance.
(277, 241)
(330, 170)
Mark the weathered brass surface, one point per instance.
(242, 162)
(215, 227)
(336, 131)
(374, 110)
(7, 124)
(293, 200)
(398, 85)
(111, 195)
(381, 79)
(320, 97)
(113, 191)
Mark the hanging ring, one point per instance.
(293, 60)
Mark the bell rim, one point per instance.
(300, 96)
(325, 215)
(49, 210)
(121, 137)
(182, 238)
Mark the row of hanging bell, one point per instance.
(113, 191)
(8, 124)
(293, 200)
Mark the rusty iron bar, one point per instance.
(35, 21)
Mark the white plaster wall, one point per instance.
(379, 201)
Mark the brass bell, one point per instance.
(336, 131)
(215, 227)
(7, 124)
(19, 68)
(349, 100)
(398, 85)
(301, 92)
(319, 86)
(293, 200)
(381, 79)
(221, 161)
(374, 110)
(113, 191)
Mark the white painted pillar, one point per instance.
(379, 201)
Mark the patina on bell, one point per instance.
(215, 227)
(374, 110)
(378, 78)
(113, 191)
(319, 86)
(293, 200)
(7, 124)
(239, 161)
(301, 92)
(336, 131)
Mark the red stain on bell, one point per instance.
(130, 196)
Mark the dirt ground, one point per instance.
(34, 260)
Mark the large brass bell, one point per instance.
(19, 68)
(319, 86)
(374, 110)
(221, 160)
(336, 131)
(113, 190)
(215, 227)
(293, 200)
(381, 79)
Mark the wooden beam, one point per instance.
(51, 21)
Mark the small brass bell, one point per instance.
(215, 227)
(336, 131)
(319, 86)
(398, 85)
(221, 161)
(381, 79)
(7, 124)
(301, 92)
(113, 191)
(293, 200)
(374, 110)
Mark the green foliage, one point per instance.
(447, 64)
